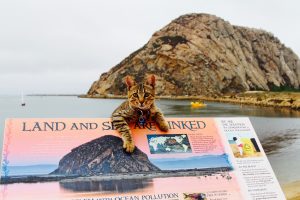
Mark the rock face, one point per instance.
(103, 155)
(201, 54)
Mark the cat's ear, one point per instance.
(129, 81)
(151, 80)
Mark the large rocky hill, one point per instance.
(101, 156)
(201, 54)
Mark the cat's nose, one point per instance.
(142, 101)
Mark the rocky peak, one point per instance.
(103, 155)
(201, 54)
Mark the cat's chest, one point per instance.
(140, 116)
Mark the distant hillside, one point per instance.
(201, 54)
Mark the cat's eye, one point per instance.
(135, 95)
(147, 94)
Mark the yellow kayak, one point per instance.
(197, 104)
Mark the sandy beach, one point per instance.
(290, 100)
(292, 190)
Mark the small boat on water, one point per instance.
(22, 100)
(197, 104)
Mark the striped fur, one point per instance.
(141, 99)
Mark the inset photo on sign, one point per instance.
(171, 143)
(194, 196)
(243, 145)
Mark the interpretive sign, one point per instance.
(83, 159)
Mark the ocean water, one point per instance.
(277, 129)
(31, 170)
(202, 162)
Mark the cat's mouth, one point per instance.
(143, 107)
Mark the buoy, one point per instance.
(197, 104)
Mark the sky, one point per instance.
(63, 46)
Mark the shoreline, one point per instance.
(287, 100)
(291, 190)
(117, 176)
(162, 174)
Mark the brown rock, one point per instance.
(201, 54)
(101, 156)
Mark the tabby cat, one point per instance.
(138, 108)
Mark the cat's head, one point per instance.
(141, 95)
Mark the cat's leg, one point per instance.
(123, 128)
(160, 121)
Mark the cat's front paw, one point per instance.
(128, 146)
(163, 126)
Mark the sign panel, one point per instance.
(83, 159)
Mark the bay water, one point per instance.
(277, 129)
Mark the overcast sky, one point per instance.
(60, 46)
